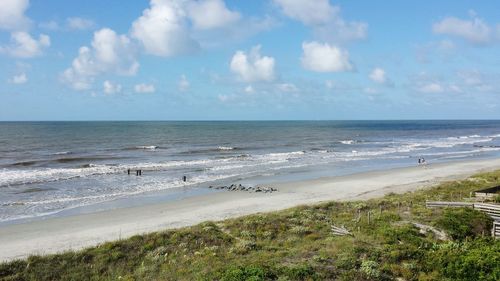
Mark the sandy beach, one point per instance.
(54, 235)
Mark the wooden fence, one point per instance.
(495, 231)
(493, 210)
(441, 204)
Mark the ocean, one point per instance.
(50, 168)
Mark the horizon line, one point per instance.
(242, 120)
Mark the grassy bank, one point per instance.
(298, 244)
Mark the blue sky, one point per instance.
(258, 60)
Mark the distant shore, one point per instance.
(54, 235)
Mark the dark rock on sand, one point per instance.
(240, 187)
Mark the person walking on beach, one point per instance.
(422, 162)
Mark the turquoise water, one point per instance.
(49, 167)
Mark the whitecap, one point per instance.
(225, 148)
(147, 147)
(62, 153)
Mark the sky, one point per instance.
(249, 60)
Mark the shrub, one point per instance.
(299, 272)
(475, 260)
(300, 230)
(370, 269)
(251, 273)
(464, 222)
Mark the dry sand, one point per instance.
(75, 232)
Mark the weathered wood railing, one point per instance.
(492, 210)
(495, 231)
(442, 204)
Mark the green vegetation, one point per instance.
(464, 222)
(297, 244)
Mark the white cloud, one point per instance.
(249, 89)
(82, 71)
(324, 18)
(162, 29)
(12, 15)
(477, 81)
(467, 82)
(379, 76)
(144, 88)
(442, 49)
(19, 79)
(474, 30)
(178, 27)
(252, 66)
(110, 53)
(114, 52)
(431, 88)
(471, 77)
(183, 84)
(455, 88)
(287, 87)
(111, 88)
(308, 12)
(72, 23)
(339, 31)
(209, 14)
(223, 98)
(325, 58)
(22, 45)
(77, 23)
(234, 32)
(49, 25)
(446, 45)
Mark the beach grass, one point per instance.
(298, 244)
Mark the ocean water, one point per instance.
(50, 167)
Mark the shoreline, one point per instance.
(53, 235)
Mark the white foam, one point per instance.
(13, 177)
(225, 148)
(347, 142)
(147, 147)
(283, 154)
(474, 151)
(62, 153)
(67, 201)
(39, 175)
(451, 141)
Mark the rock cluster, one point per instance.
(240, 187)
